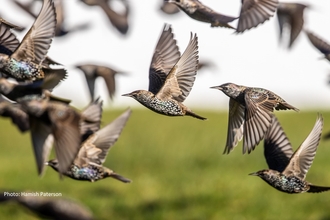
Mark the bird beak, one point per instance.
(128, 94)
(216, 87)
(253, 174)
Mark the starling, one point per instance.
(93, 152)
(255, 12)
(15, 112)
(287, 170)
(319, 44)
(196, 10)
(118, 20)
(92, 71)
(49, 207)
(60, 18)
(291, 14)
(250, 114)
(25, 63)
(171, 77)
(59, 120)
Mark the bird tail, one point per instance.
(317, 189)
(120, 178)
(286, 106)
(53, 77)
(190, 113)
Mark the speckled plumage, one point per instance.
(287, 170)
(25, 62)
(171, 77)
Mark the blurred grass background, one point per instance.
(178, 172)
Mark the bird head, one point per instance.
(133, 94)
(53, 163)
(230, 89)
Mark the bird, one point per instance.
(287, 170)
(92, 71)
(319, 44)
(25, 62)
(250, 114)
(15, 112)
(200, 12)
(49, 207)
(58, 121)
(171, 77)
(255, 12)
(9, 43)
(118, 20)
(93, 152)
(60, 30)
(291, 14)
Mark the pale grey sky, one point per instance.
(254, 58)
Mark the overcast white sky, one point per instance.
(254, 58)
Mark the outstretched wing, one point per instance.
(277, 148)
(35, 44)
(255, 12)
(181, 78)
(166, 55)
(302, 159)
(96, 147)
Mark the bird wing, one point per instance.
(16, 113)
(108, 75)
(8, 40)
(277, 148)
(98, 145)
(36, 42)
(92, 119)
(181, 78)
(235, 125)
(302, 159)
(166, 55)
(41, 148)
(65, 123)
(119, 21)
(90, 76)
(59, 16)
(296, 22)
(255, 12)
(320, 44)
(258, 117)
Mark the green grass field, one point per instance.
(178, 172)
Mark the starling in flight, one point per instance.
(287, 170)
(118, 20)
(171, 77)
(93, 152)
(92, 71)
(47, 207)
(25, 63)
(319, 44)
(293, 15)
(250, 114)
(196, 10)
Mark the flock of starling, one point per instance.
(28, 77)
